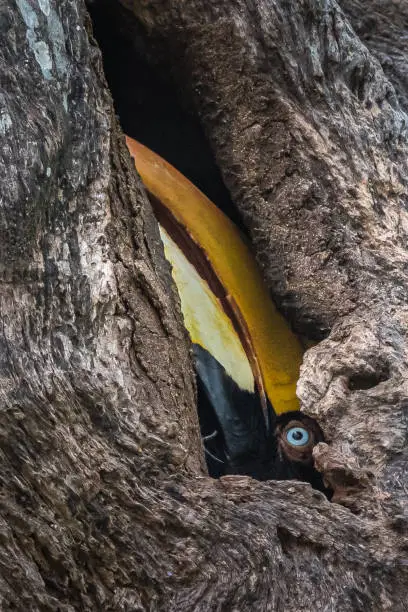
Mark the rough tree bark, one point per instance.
(104, 501)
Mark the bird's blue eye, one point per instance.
(297, 436)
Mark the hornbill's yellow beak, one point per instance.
(247, 357)
(273, 351)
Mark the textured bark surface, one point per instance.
(382, 26)
(104, 500)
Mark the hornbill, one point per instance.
(247, 358)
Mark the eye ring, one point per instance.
(297, 436)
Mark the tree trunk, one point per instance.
(105, 503)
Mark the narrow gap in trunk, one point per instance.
(150, 110)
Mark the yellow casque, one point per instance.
(273, 350)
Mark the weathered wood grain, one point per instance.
(104, 502)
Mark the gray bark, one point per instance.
(104, 500)
(382, 26)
